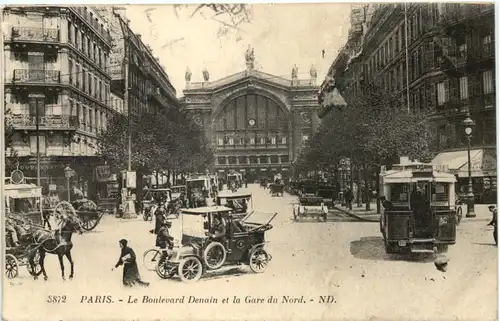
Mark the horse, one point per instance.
(55, 242)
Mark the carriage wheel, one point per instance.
(214, 255)
(63, 209)
(259, 260)
(164, 271)
(90, 222)
(150, 259)
(11, 266)
(37, 268)
(190, 269)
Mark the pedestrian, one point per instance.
(349, 197)
(127, 258)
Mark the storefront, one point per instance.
(483, 172)
(52, 172)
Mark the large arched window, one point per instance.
(252, 112)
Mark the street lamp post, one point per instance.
(469, 124)
(68, 172)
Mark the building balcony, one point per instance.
(251, 146)
(164, 83)
(98, 29)
(52, 122)
(253, 165)
(35, 35)
(159, 98)
(453, 13)
(30, 76)
(462, 106)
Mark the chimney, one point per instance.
(404, 160)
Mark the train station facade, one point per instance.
(256, 122)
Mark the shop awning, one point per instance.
(483, 162)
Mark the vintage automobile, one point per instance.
(236, 179)
(328, 193)
(293, 187)
(199, 253)
(419, 212)
(23, 203)
(177, 191)
(240, 202)
(276, 189)
(152, 199)
(198, 190)
(309, 205)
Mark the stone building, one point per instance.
(256, 122)
(149, 86)
(56, 61)
(441, 60)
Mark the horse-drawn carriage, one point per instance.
(23, 209)
(243, 243)
(276, 189)
(310, 205)
(86, 210)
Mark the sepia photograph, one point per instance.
(249, 161)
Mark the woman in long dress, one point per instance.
(127, 258)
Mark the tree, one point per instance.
(373, 130)
(160, 141)
(230, 16)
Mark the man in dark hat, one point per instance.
(164, 240)
(127, 258)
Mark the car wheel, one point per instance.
(214, 255)
(165, 270)
(190, 269)
(258, 260)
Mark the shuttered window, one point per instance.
(488, 85)
(464, 87)
(443, 92)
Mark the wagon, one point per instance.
(276, 189)
(88, 212)
(199, 253)
(23, 202)
(310, 205)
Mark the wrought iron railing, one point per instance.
(36, 76)
(51, 121)
(35, 34)
(85, 15)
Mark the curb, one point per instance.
(360, 218)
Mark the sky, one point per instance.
(281, 34)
